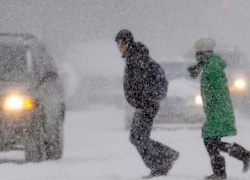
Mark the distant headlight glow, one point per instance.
(198, 100)
(240, 84)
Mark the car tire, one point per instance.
(54, 148)
(35, 144)
(3, 145)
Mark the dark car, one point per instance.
(183, 104)
(31, 98)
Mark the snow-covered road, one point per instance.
(97, 148)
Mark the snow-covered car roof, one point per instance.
(17, 39)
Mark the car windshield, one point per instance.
(13, 58)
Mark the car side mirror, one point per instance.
(49, 76)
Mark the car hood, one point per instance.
(183, 88)
(21, 83)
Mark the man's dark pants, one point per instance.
(154, 154)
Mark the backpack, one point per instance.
(160, 86)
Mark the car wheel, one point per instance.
(54, 147)
(34, 144)
(3, 145)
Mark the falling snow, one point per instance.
(78, 100)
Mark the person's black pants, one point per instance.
(154, 154)
(215, 145)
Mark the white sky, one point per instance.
(167, 27)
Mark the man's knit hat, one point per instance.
(126, 36)
(205, 45)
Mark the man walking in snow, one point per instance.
(218, 107)
(145, 85)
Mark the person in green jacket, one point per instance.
(220, 121)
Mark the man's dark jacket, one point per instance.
(140, 75)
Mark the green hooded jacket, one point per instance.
(217, 103)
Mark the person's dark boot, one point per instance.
(240, 153)
(215, 177)
(155, 173)
(219, 168)
(172, 156)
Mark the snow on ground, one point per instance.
(97, 148)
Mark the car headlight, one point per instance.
(18, 103)
(198, 100)
(240, 84)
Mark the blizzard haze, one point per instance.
(166, 27)
(80, 35)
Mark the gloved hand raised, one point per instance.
(193, 71)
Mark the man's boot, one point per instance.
(219, 168)
(237, 151)
(172, 156)
(155, 173)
